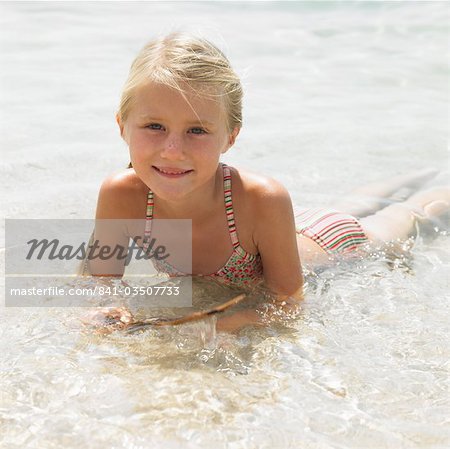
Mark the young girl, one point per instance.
(181, 109)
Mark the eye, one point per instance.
(155, 126)
(197, 131)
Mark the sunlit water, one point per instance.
(337, 94)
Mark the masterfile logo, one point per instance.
(63, 262)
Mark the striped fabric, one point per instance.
(335, 232)
(229, 205)
(148, 220)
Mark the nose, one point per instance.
(173, 148)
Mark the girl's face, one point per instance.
(175, 144)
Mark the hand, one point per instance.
(282, 306)
(109, 319)
(238, 320)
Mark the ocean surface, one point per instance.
(337, 94)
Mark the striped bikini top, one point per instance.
(242, 268)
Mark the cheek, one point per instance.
(141, 143)
(209, 147)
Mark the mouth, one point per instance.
(170, 172)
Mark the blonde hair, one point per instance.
(182, 59)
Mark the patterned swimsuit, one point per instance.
(336, 233)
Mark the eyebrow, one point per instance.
(190, 123)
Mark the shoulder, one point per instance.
(265, 205)
(261, 193)
(121, 195)
(124, 181)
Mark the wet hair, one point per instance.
(182, 60)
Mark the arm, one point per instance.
(275, 238)
(116, 205)
(110, 231)
(120, 210)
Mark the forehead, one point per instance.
(157, 100)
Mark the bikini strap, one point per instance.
(229, 205)
(148, 218)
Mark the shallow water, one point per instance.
(337, 94)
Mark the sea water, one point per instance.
(337, 94)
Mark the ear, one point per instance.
(121, 125)
(232, 138)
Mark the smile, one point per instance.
(171, 172)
